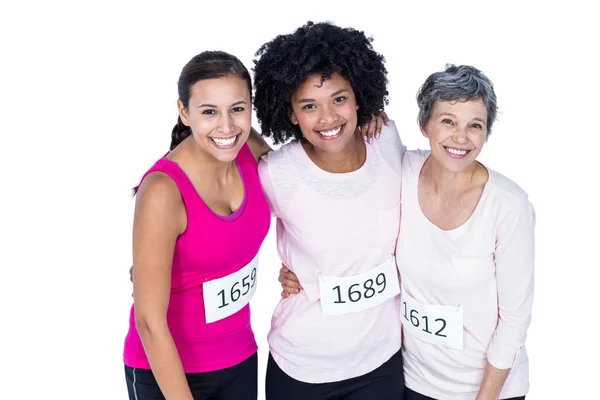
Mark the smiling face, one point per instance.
(325, 112)
(456, 131)
(219, 113)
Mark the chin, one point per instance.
(226, 156)
(331, 146)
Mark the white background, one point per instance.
(87, 103)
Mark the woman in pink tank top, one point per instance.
(200, 218)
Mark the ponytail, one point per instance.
(179, 133)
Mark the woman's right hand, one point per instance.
(289, 282)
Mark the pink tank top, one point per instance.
(212, 246)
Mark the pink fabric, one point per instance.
(212, 247)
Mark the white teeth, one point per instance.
(331, 132)
(224, 142)
(456, 151)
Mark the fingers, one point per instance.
(386, 119)
(382, 119)
(291, 286)
(379, 125)
(368, 130)
(289, 282)
(131, 277)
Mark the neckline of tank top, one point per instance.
(227, 218)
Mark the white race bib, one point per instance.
(350, 294)
(226, 296)
(439, 325)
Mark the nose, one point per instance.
(328, 115)
(225, 123)
(460, 135)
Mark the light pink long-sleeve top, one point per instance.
(484, 266)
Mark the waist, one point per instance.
(310, 346)
(202, 347)
(186, 319)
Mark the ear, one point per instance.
(183, 113)
(423, 131)
(293, 118)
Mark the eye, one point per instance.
(447, 121)
(309, 107)
(238, 109)
(209, 112)
(477, 126)
(339, 99)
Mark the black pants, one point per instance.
(239, 382)
(384, 383)
(412, 395)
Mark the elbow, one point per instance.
(148, 327)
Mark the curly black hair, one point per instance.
(285, 62)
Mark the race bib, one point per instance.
(226, 296)
(439, 325)
(351, 294)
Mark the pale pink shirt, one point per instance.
(334, 225)
(486, 267)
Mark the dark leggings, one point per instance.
(384, 383)
(412, 395)
(239, 382)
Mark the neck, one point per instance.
(196, 159)
(448, 182)
(349, 159)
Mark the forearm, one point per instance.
(165, 362)
(258, 146)
(492, 382)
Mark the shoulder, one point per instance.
(505, 188)
(511, 201)
(390, 137)
(158, 190)
(390, 146)
(283, 156)
(412, 161)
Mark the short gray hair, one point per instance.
(457, 83)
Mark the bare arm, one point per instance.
(159, 219)
(257, 145)
(492, 382)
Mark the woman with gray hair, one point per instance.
(465, 252)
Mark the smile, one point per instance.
(225, 143)
(456, 153)
(332, 133)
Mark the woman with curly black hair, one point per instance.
(337, 206)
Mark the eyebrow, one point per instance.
(213, 106)
(332, 95)
(452, 115)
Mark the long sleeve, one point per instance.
(514, 259)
